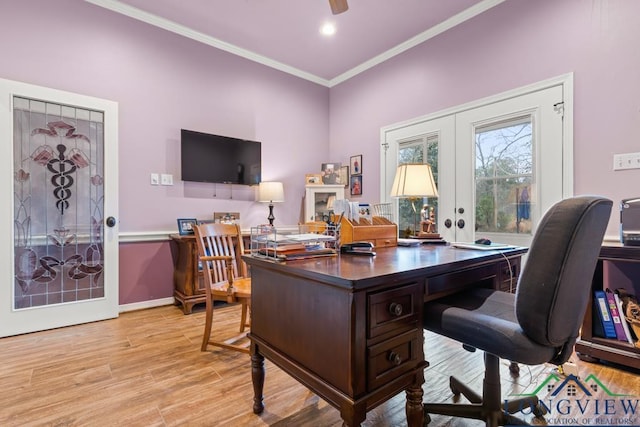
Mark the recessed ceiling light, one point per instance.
(328, 29)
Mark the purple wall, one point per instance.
(517, 43)
(164, 82)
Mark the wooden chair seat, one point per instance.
(220, 248)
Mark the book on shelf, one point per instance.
(623, 319)
(615, 316)
(602, 306)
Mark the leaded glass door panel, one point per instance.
(63, 256)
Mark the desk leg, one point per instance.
(353, 416)
(257, 376)
(413, 407)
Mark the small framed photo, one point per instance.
(186, 225)
(356, 165)
(226, 217)
(356, 185)
(330, 173)
(344, 176)
(313, 179)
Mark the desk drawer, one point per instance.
(445, 284)
(393, 309)
(385, 242)
(392, 358)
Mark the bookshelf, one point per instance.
(618, 266)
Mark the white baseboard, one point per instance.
(146, 304)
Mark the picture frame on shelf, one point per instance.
(186, 226)
(356, 185)
(356, 164)
(344, 176)
(313, 179)
(226, 217)
(330, 172)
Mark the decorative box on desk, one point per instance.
(309, 240)
(380, 231)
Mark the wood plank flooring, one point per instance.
(146, 369)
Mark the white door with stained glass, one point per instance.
(60, 186)
(500, 162)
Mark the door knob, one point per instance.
(447, 223)
(461, 223)
(111, 221)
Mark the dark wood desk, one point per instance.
(350, 327)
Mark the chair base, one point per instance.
(487, 407)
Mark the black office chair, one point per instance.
(540, 323)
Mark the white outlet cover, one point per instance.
(155, 179)
(166, 179)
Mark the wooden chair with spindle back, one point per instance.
(220, 248)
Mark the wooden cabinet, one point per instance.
(188, 282)
(318, 201)
(621, 265)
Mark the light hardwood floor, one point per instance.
(146, 369)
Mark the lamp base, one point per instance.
(423, 235)
(271, 217)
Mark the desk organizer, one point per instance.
(308, 240)
(379, 231)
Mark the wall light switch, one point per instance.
(166, 179)
(155, 179)
(626, 161)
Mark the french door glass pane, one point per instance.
(422, 150)
(504, 177)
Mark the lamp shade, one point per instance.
(414, 180)
(270, 192)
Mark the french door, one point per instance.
(501, 162)
(60, 187)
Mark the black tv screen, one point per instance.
(219, 159)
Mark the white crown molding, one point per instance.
(133, 12)
(140, 15)
(432, 32)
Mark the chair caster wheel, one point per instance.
(539, 410)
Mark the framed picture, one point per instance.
(185, 225)
(330, 173)
(226, 217)
(356, 165)
(313, 179)
(356, 185)
(344, 175)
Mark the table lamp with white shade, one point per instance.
(270, 192)
(415, 181)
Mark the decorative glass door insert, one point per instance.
(58, 203)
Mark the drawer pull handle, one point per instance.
(395, 309)
(395, 358)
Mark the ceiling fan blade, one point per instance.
(338, 6)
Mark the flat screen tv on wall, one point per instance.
(219, 159)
